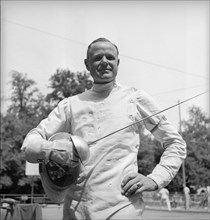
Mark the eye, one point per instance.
(110, 57)
(97, 58)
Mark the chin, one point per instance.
(107, 79)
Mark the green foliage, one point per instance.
(149, 154)
(197, 136)
(23, 114)
(65, 83)
(196, 133)
(13, 132)
(23, 92)
(12, 160)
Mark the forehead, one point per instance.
(102, 47)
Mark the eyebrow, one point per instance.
(102, 54)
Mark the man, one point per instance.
(164, 198)
(187, 196)
(109, 186)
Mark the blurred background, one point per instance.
(164, 50)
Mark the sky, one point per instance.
(163, 45)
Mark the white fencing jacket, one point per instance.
(94, 114)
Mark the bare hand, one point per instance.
(135, 183)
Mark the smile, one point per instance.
(104, 70)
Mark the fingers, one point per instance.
(141, 189)
(137, 183)
(127, 178)
(131, 184)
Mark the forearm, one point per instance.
(163, 173)
(173, 145)
(34, 147)
(172, 157)
(36, 143)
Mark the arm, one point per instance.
(172, 143)
(36, 145)
(174, 153)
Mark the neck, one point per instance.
(97, 87)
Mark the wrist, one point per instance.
(154, 184)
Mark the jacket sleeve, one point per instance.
(57, 121)
(173, 145)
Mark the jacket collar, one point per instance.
(104, 87)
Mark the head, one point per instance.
(102, 60)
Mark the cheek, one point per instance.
(115, 69)
(93, 71)
(94, 66)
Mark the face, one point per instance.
(102, 62)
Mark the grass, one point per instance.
(151, 214)
(55, 213)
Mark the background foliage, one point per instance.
(28, 107)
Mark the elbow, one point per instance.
(184, 149)
(31, 147)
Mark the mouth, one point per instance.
(103, 71)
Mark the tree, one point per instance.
(148, 154)
(23, 114)
(65, 83)
(13, 132)
(196, 133)
(23, 92)
(197, 136)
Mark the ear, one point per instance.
(86, 64)
(118, 62)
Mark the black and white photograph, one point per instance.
(105, 110)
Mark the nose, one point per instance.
(104, 61)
